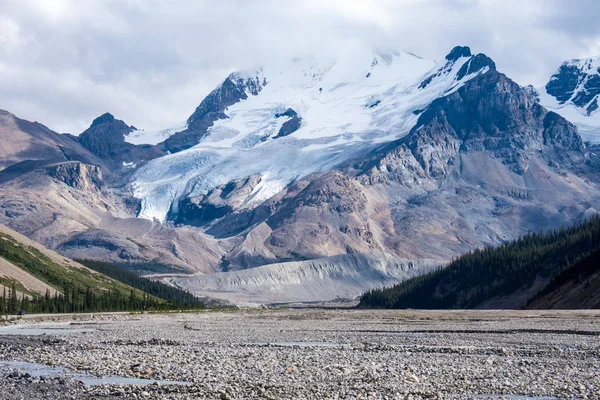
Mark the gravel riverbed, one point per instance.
(313, 354)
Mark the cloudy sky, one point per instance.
(150, 62)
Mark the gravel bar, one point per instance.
(312, 354)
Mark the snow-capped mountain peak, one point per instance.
(574, 91)
(577, 82)
(305, 115)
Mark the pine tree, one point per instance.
(3, 302)
(13, 301)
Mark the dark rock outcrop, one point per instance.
(291, 125)
(78, 175)
(195, 212)
(475, 64)
(217, 203)
(562, 85)
(106, 139)
(458, 52)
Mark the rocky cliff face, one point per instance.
(59, 196)
(79, 176)
(204, 209)
(489, 113)
(573, 93)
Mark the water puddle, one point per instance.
(40, 370)
(55, 328)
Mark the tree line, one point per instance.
(82, 300)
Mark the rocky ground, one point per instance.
(317, 354)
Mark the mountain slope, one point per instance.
(32, 145)
(57, 271)
(24, 282)
(34, 278)
(325, 279)
(578, 286)
(536, 267)
(70, 207)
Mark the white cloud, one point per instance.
(151, 62)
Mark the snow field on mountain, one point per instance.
(153, 136)
(346, 108)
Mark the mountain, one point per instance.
(573, 92)
(106, 138)
(315, 179)
(341, 108)
(70, 207)
(67, 192)
(557, 269)
(482, 164)
(358, 177)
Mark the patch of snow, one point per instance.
(153, 137)
(465, 79)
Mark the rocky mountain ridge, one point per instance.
(28, 145)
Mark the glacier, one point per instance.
(346, 108)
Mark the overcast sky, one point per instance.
(150, 62)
